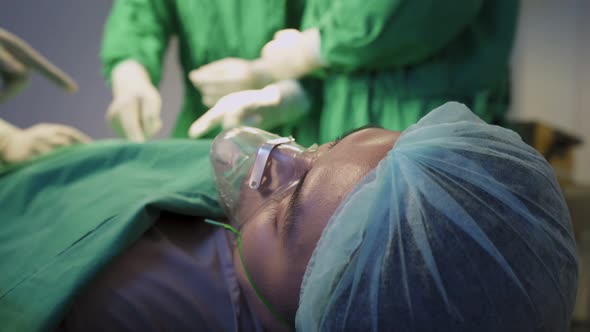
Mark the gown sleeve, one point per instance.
(138, 30)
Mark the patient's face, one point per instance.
(277, 243)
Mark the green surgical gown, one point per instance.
(392, 61)
(66, 215)
(207, 31)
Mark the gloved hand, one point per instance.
(134, 112)
(18, 145)
(220, 78)
(292, 53)
(17, 59)
(277, 104)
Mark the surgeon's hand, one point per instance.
(18, 59)
(292, 53)
(135, 110)
(220, 78)
(277, 104)
(18, 145)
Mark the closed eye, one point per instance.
(293, 209)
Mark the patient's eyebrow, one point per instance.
(350, 132)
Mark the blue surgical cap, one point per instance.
(461, 227)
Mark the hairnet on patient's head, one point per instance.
(461, 227)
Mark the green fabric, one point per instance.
(207, 31)
(64, 216)
(392, 61)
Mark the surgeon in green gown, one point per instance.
(393, 61)
(390, 62)
(136, 37)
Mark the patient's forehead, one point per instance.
(334, 175)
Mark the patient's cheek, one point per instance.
(254, 251)
(269, 266)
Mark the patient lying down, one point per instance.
(451, 225)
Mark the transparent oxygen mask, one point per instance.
(254, 167)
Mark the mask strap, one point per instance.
(262, 158)
(267, 304)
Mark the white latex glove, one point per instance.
(277, 104)
(18, 145)
(18, 59)
(220, 78)
(135, 110)
(292, 53)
